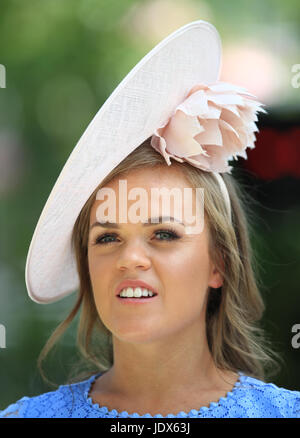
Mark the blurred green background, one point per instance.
(62, 59)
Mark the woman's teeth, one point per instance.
(136, 292)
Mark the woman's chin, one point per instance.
(137, 334)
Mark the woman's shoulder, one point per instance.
(60, 403)
(268, 398)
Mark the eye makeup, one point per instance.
(171, 232)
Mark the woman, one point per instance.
(170, 312)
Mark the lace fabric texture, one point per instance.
(250, 398)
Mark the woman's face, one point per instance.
(178, 268)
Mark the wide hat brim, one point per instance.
(144, 100)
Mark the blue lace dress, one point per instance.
(249, 398)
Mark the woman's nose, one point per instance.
(134, 256)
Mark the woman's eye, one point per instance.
(166, 235)
(170, 234)
(100, 241)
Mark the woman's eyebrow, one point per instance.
(153, 221)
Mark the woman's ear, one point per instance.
(216, 278)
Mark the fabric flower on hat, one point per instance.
(214, 124)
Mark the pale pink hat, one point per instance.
(146, 103)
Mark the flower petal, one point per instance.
(213, 125)
(211, 133)
(181, 131)
(195, 104)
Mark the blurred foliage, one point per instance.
(63, 58)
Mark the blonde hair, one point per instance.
(236, 340)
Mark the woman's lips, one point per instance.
(133, 300)
(133, 283)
